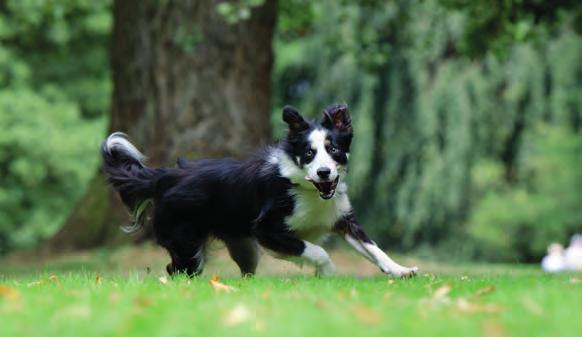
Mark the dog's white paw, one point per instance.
(403, 272)
(326, 269)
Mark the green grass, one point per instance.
(469, 301)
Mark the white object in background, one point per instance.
(555, 260)
(574, 253)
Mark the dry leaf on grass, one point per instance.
(52, 278)
(142, 302)
(366, 315)
(114, 297)
(344, 294)
(266, 294)
(220, 287)
(469, 307)
(441, 293)
(9, 293)
(493, 329)
(238, 315)
(74, 310)
(163, 280)
(98, 279)
(485, 290)
(439, 297)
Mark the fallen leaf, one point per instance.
(75, 310)
(9, 293)
(238, 315)
(321, 304)
(163, 280)
(142, 301)
(467, 306)
(485, 290)
(441, 292)
(98, 279)
(366, 315)
(266, 294)
(53, 278)
(114, 297)
(220, 287)
(493, 329)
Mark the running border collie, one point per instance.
(284, 199)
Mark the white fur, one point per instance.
(313, 217)
(322, 158)
(381, 259)
(318, 257)
(118, 141)
(385, 263)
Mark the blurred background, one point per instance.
(467, 114)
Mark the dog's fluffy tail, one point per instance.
(124, 167)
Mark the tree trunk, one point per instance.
(185, 83)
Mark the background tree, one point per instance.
(185, 83)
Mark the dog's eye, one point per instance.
(334, 149)
(309, 153)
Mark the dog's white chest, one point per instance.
(314, 217)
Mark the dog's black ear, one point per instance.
(294, 119)
(337, 116)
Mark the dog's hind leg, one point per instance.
(245, 252)
(186, 258)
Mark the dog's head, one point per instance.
(319, 151)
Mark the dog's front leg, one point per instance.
(285, 245)
(353, 233)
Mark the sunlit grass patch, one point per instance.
(89, 304)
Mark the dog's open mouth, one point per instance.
(327, 188)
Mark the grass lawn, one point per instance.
(113, 294)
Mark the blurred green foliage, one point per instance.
(457, 151)
(468, 114)
(54, 94)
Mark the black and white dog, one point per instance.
(284, 199)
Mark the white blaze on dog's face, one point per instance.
(322, 167)
(318, 152)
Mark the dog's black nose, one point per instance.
(323, 172)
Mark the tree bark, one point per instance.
(185, 83)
